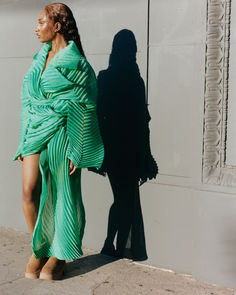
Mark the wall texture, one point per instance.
(190, 224)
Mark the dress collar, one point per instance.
(67, 57)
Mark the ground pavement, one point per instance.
(92, 274)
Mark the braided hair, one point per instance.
(61, 13)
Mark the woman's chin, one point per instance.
(41, 40)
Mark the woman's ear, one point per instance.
(57, 27)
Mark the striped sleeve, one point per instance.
(85, 144)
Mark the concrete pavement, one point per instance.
(92, 274)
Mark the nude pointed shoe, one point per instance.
(34, 267)
(53, 269)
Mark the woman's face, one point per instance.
(45, 28)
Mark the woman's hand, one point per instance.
(72, 168)
(20, 159)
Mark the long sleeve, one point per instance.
(85, 147)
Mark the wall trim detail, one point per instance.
(214, 169)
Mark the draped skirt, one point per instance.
(60, 223)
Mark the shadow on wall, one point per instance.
(123, 119)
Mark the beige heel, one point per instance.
(29, 275)
(34, 267)
(54, 269)
(51, 276)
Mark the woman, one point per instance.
(59, 135)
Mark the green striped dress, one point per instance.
(58, 120)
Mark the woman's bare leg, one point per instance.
(30, 195)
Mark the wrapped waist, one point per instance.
(42, 102)
(48, 108)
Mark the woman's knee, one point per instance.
(30, 177)
(27, 193)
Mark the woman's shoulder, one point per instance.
(80, 68)
(84, 65)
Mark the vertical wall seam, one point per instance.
(148, 32)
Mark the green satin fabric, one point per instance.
(58, 120)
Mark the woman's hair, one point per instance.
(61, 13)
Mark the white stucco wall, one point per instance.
(190, 226)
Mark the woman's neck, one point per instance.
(58, 43)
